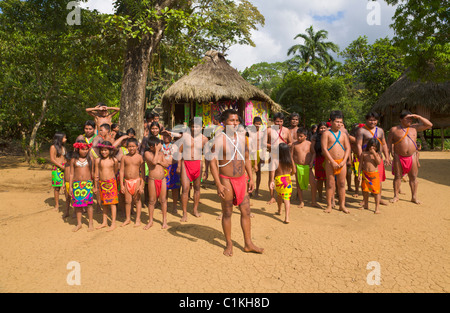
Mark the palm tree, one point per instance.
(314, 52)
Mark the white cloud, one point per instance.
(345, 21)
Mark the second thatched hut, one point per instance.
(212, 87)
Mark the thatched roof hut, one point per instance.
(428, 99)
(211, 81)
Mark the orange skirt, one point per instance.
(371, 182)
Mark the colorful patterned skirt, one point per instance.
(57, 176)
(82, 193)
(109, 192)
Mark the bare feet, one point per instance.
(253, 248)
(137, 224)
(355, 195)
(328, 210)
(317, 205)
(77, 228)
(150, 224)
(271, 201)
(377, 211)
(382, 202)
(183, 218)
(112, 227)
(228, 251)
(164, 226)
(219, 217)
(344, 209)
(301, 205)
(415, 201)
(102, 226)
(197, 214)
(125, 223)
(393, 200)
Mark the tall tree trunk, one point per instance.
(135, 72)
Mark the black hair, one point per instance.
(106, 126)
(314, 127)
(226, 114)
(285, 155)
(302, 130)
(114, 125)
(257, 119)
(154, 124)
(101, 104)
(133, 140)
(336, 114)
(153, 141)
(119, 134)
(69, 155)
(373, 114)
(373, 142)
(57, 142)
(155, 115)
(294, 115)
(90, 123)
(278, 115)
(404, 113)
(131, 131)
(149, 115)
(318, 144)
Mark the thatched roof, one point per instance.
(213, 80)
(408, 94)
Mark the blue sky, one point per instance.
(345, 21)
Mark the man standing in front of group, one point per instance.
(231, 167)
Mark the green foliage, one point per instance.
(313, 53)
(310, 95)
(51, 71)
(421, 32)
(370, 69)
(266, 76)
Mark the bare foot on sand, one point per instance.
(344, 209)
(393, 200)
(228, 251)
(415, 201)
(316, 205)
(219, 217)
(102, 226)
(253, 248)
(112, 227)
(150, 224)
(183, 218)
(125, 223)
(328, 210)
(77, 228)
(383, 202)
(301, 205)
(271, 201)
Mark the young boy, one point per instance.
(303, 160)
(294, 120)
(157, 173)
(370, 160)
(101, 114)
(190, 165)
(336, 149)
(256, 141)
(132, 180)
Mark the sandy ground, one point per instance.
(316, 252)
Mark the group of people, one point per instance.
(119, 170)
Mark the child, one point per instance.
(102, 115)
(319, 160)
(81, 182)
(105, 182)
(370, 159)
(67, 183)
(336, 149)
(157, 185)
(57, 157)
(132, 180)
(173, 179)
(256, 143)
(302, 157)
(280, 179)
